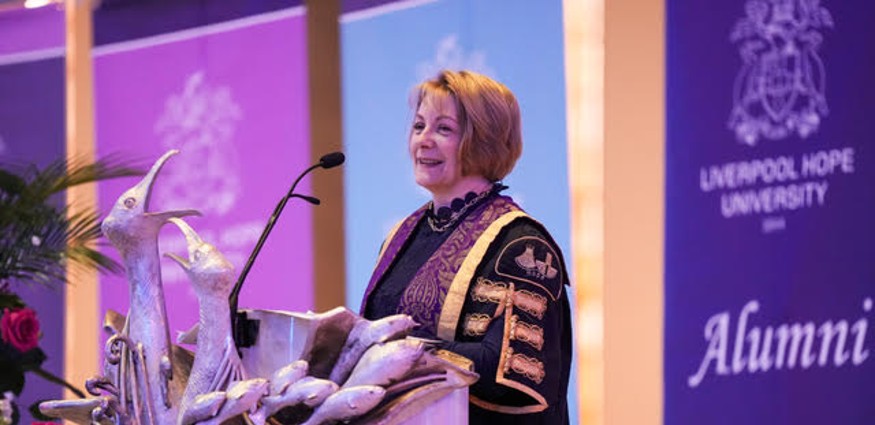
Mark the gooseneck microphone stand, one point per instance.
(243, 329)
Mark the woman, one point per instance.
(470, 266)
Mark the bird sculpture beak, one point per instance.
(192, 239)
(145, 187)
(164, 216)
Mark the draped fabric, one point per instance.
(494, 291)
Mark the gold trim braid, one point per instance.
(486, 290)
(476, 324)
(389, 238)
(513, 410)
(504, 364)
(529, 333)
(455, 299)
(530, 302)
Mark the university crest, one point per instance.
(780, 89)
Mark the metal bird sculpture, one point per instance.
(216, 363)
(144, 363)
(368, 371)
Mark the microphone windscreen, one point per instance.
(332, 160)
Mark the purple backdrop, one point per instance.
(232, 98)
(769, 205)
(122, 20)
(29, 30)
(32, 132)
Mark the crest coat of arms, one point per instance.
(781, 87)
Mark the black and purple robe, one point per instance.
(492, 286)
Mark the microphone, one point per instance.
(332, 160)
(245, 330)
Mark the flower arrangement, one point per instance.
(20, 328)
(38, 239)
(19, 352)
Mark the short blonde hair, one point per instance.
(489, 117)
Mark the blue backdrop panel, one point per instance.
(385, 56)
(769, 204)
(387, 50)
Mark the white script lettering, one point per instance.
(796, 345)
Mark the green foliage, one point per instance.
(38, 236)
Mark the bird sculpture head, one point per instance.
(209, 271)
(130, 222)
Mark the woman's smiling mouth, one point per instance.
(429, 161)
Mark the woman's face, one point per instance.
(434, 146)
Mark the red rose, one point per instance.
(20, 328)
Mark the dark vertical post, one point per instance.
(326, 135)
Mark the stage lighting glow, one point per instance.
(33, 4)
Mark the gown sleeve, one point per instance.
(515, 324)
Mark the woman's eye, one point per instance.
(418, 126)
(445, 129)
